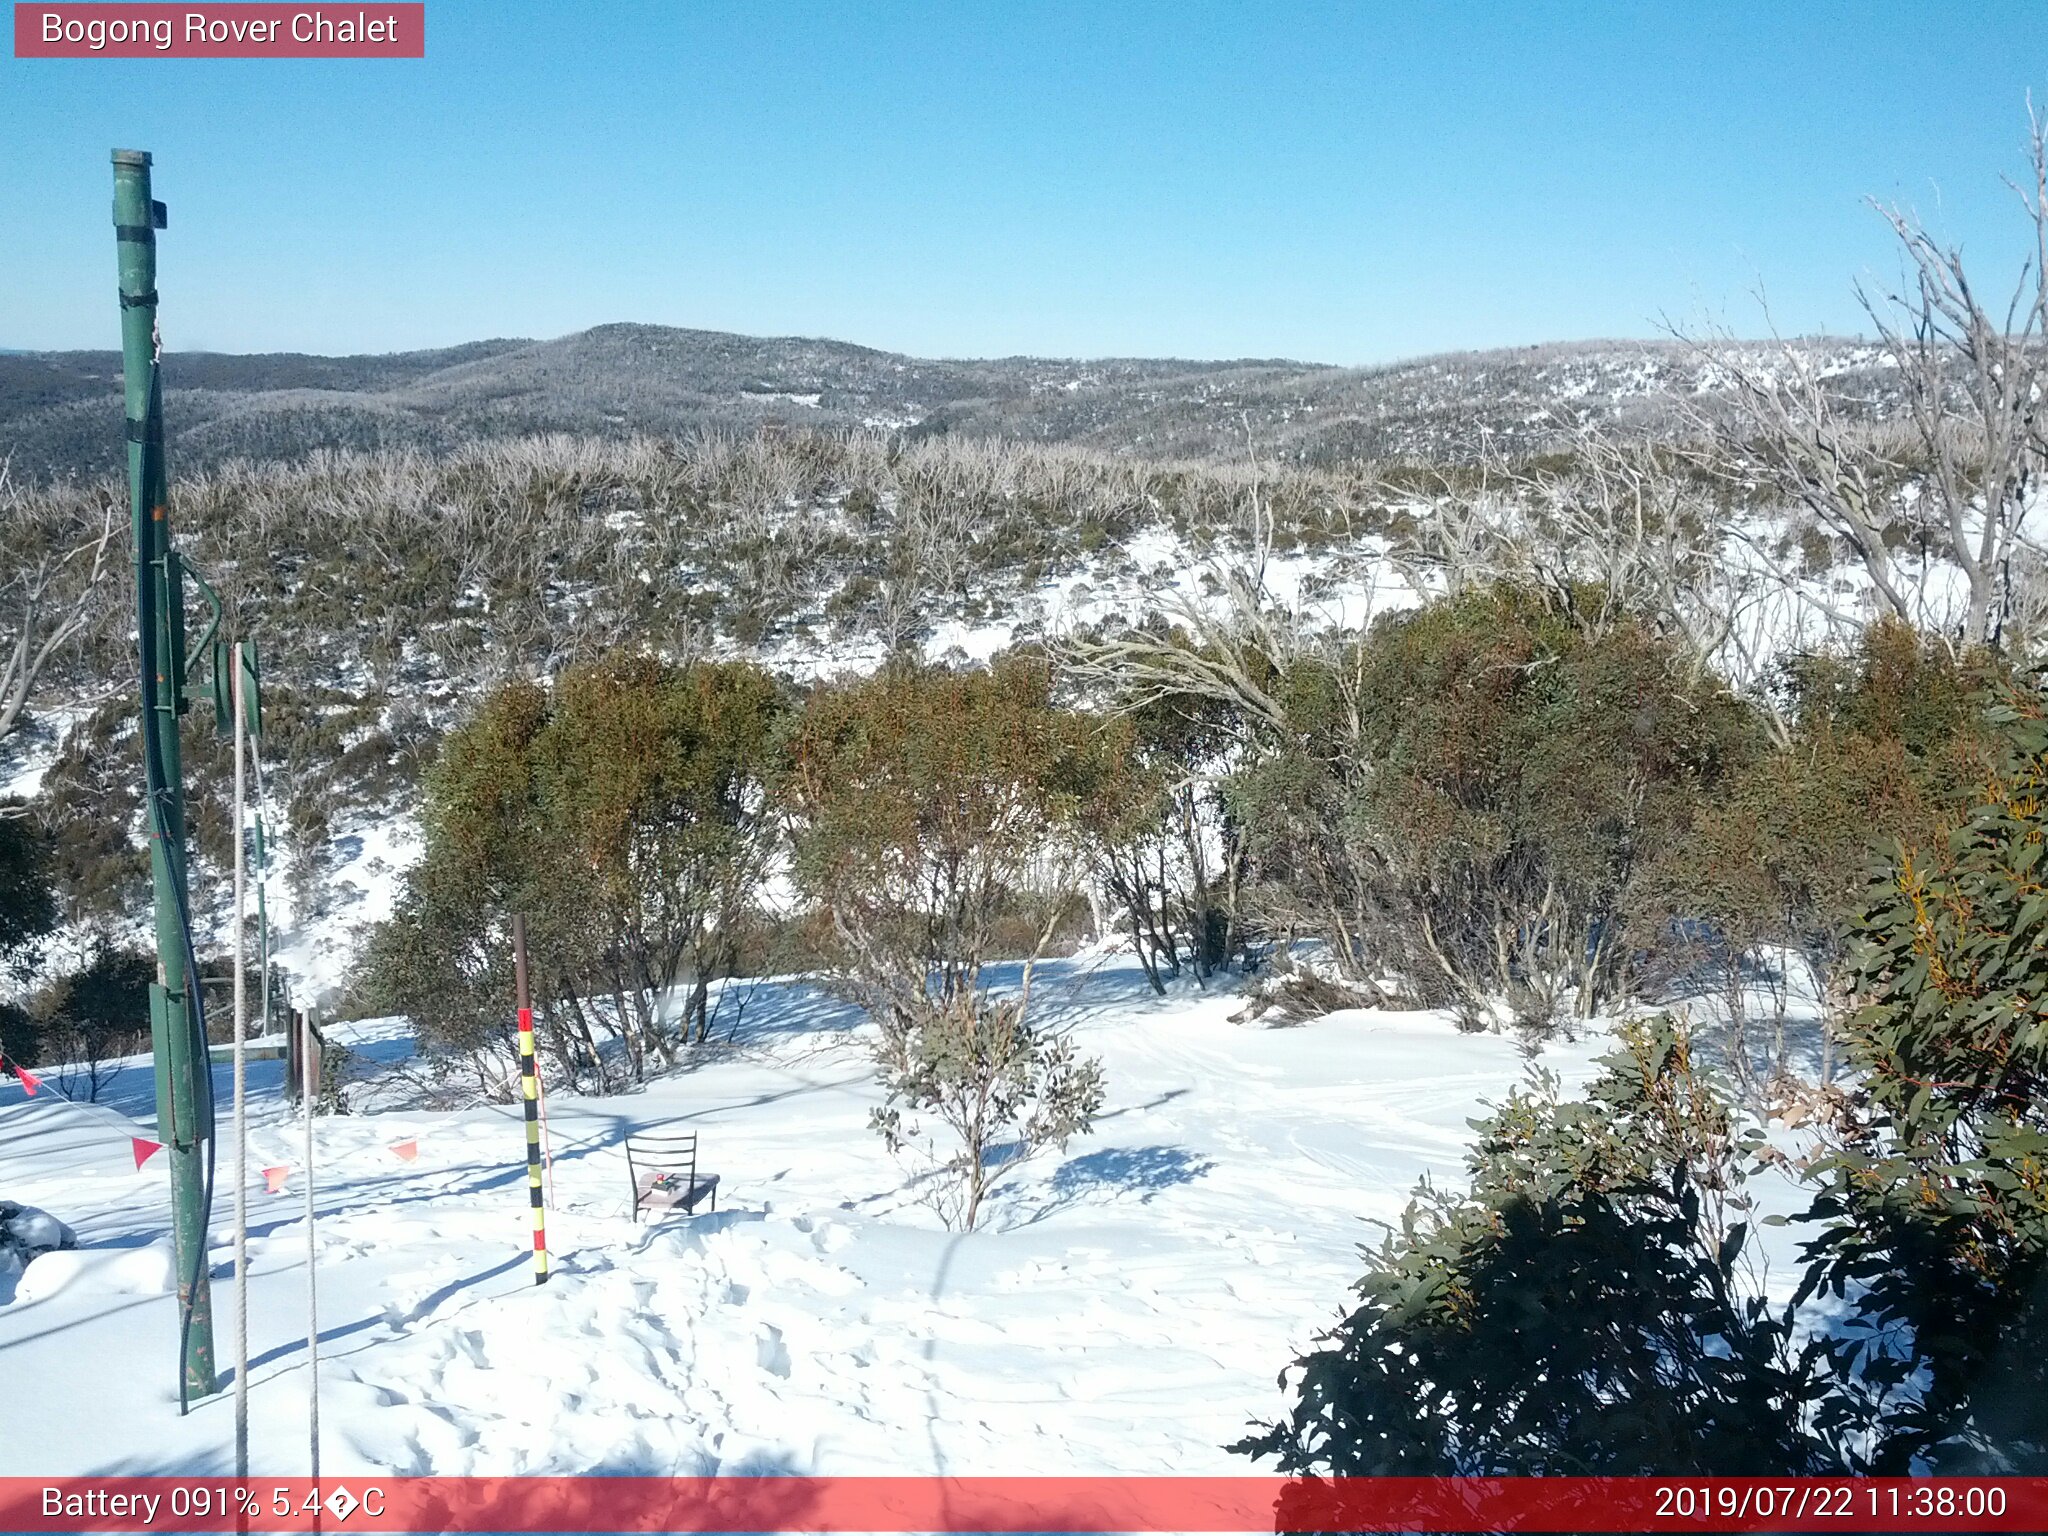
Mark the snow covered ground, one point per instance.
(1125, 1309)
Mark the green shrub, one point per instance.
(628, 816)
(86, 1020)
(1158, 846)
(1936, 1197)
(20, 1039)
(936, 823)
(28, 904)
(1466, 798)
(1880, 740)
(91, 799)
(1585, 1309)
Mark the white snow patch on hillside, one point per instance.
(360, 891)
(28, 756)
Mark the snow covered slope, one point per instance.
(1125, 1310)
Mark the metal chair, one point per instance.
(663, 1169)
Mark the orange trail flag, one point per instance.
(29, 1081)
(406, 1151)
(144, 1149)
(273, 1179)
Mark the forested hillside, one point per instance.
(628, 380)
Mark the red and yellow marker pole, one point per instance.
(529, 1081)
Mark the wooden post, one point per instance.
(529, 1081)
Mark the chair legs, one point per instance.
(686, 1173)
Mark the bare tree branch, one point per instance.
(44, 605)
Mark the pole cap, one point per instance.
(131, 157)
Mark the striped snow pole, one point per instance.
(529, 1082)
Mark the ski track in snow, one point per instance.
(1125, 1309)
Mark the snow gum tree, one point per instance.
(1159, 846)
(1951, 479)
(628, 815)
(52, 589)
(937, 831)
(661, 777)
(1461, 799)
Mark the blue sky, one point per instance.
(1344, 183)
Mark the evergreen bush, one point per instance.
(1935, 1198)
(1586, 1308)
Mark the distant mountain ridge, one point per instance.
(60, 412)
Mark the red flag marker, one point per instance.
(29, 1081)
(144, 1149)
(273, 1179)
(406, 1150)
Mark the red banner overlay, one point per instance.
(999, 1504)
(373, 30)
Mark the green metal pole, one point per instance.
(184, 1078)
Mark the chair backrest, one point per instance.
(663, 1151)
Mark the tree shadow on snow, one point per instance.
(751, 1011)
(1152, 1103)
(399, 1320)
(1115, 1172)
(1773, 1009)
